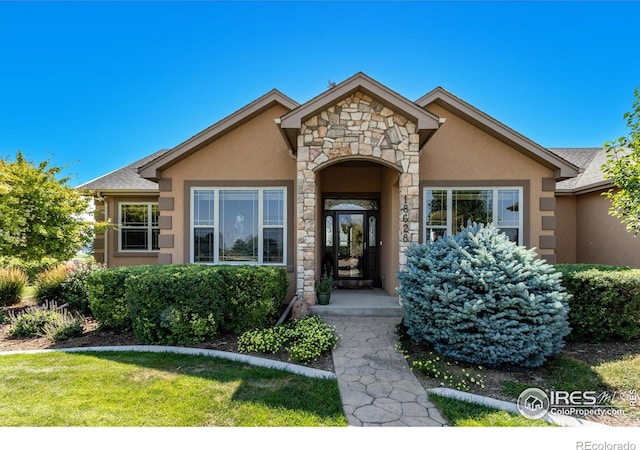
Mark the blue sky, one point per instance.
(93, 86)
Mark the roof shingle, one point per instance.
(589, 160)
(125, 178)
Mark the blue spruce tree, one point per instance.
(478, 297)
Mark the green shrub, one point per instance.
(31, 268)
(252, 296)
(268, 340)
(75, 291)
(186, 303)
(179, 304)
(310, 338)
(67, 283)
(12, 282)
(31, 321)
(49, 285)
(64, 325)
(305, 340)
(605, 303)
(45, 320)
(478, 297)
(106, 294)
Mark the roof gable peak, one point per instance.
(426, 122)
(493, 127)
(218, 129)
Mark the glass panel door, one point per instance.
(350, 230)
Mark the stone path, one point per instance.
(376, 384)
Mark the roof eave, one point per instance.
(594, 187)
(102, 192)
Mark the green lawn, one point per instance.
(464, 414)
(119, 389)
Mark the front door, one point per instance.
(351, 242)
(351, 245)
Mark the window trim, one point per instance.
(449, 188)
(261, 226)
(149, 228)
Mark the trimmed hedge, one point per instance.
(605, 302)
(189, 303)
(252, 296)
(175, 305)
(107, 300)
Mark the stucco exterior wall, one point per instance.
(254, 152)
(389, 252)
(461, 151)
(340, 178)
(566, 229)
(601, 238)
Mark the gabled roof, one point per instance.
(224, 126)
(439, 96)
(426, 122)
(125, 179)
(590, 178)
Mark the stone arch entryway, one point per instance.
(356, 128)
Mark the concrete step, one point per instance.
(360, 303)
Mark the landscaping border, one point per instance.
(247, 359)
(555, 419)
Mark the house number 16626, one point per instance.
(405, 221)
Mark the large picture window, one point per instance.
(238, 225)
(138, 227)
(446, 210)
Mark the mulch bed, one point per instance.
(94, 337)
(591, 354)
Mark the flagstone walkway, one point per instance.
(376, 384)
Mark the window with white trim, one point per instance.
(138, 227)
(238, 225)
(446, 210)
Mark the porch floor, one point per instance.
(359, 303)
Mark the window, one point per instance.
(139, 227)
(449, 209)
(238, 225)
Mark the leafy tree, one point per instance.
(623, 169)
(40, 215)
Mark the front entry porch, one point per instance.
(360, 303)
(357, 127)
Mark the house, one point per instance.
(344, 183)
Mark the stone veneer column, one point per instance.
(357, 127)
(409, 187)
